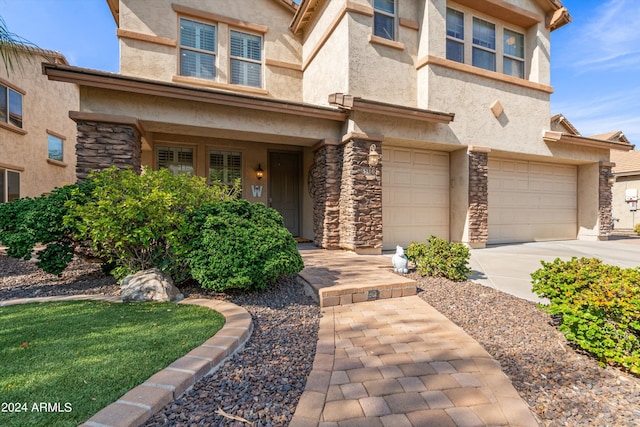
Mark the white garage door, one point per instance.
(531, 201)
(415, 195)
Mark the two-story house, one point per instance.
(37, 137)
(366, 123)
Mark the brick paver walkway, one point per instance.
(399, 362)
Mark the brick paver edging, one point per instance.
(140, 403)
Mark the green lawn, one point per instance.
(61, 362)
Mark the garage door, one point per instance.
(531, 201)
(415, 195)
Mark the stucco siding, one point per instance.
(625, 217)
(45, 109)
(156, 57)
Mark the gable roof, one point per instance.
(559, 120)
(613, 136)
(627, 163)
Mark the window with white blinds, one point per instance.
(225, 166)
(178, 160)
(246, 59)
(197, 49)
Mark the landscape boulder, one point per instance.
(149, 285)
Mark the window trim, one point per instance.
(4, 181)
(213, 53)
(512, 57)
(261, 62)
(7, 124)
(62, 139)
(394, 19)
(170, 146)
(225, 150)
(499, 54)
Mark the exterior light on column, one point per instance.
(259, 172)
(374, 156)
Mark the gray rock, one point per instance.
(149, 285)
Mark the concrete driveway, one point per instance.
(508, 267)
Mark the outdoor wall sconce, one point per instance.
(611, 179)
(259, 172)
(374, 157)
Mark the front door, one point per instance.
(284, 188)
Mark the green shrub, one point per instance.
(637, 229)
(135, 222)
(27, 222)
(239, 245)
(598, 306)
(440, 258)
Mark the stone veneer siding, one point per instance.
(325, 177)
(102, 145)
(604, 203)
(360, 199)
(478, 212)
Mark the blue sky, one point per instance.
(595, 59)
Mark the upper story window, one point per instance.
(10, 106)
(246, 59)
(484, 44)
(384, 18)
(178, 160)
(455, 35)
(483, 47)
(197, 49)
(55, 145)
(513, 64)
(9, 185)
(225, 166)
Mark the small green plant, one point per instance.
(239, 245)
(637, 229)
(440, 258)
(27, 222)
(135, 222)
(598, 306)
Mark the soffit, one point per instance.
(351, 103)
(552, 136)
(117, 82)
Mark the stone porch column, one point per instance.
(604, 200)
(478, 209)
(360, 196)
(104, 141)
(324, 187)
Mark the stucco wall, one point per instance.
(281, 50)
(326, 55)
(626, 218)
(45, 107)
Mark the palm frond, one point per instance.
(11, 45)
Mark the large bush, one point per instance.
(27, 222)
(136, 221)
(239, 245)
(440, 258)
(598, 306)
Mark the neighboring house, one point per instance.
(37, 137)
(626, 189)
(299, 101)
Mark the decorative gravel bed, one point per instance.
(563, 386)
(263, 383)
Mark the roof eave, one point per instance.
(99, 79)
(553, 136)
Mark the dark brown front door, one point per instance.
(284, 188)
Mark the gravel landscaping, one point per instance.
(263, 383)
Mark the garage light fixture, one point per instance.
(374, 156)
